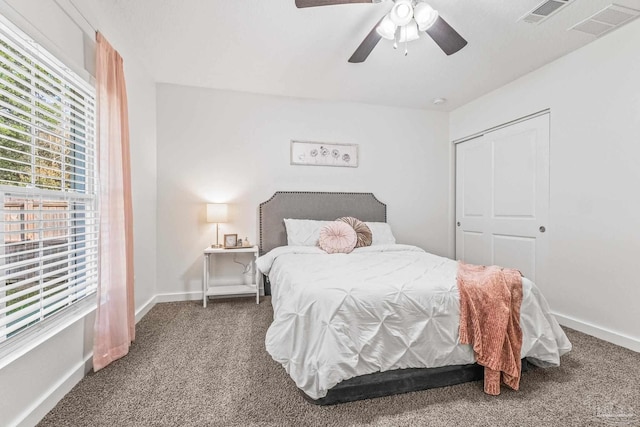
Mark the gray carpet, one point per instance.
(208, 367)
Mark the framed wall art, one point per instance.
(309, 153)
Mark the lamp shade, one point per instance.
(409, 32)
(402, 12)
(424, 15)
(387, 29)
(217, 212)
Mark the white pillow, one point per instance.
(303, 232)
(381, 233)
(306, 232)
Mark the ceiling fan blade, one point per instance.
(446, 37)
(367, 45)
(313, 3)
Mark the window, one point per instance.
(48, 186)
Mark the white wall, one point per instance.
(594, 226)
(223, 146)
(141, 93)
(32, 384)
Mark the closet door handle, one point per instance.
(542, 229)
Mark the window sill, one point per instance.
(14, 348)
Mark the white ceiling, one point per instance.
(270, 46)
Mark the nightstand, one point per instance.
(251, 289)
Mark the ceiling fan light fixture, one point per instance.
(409, 32)
(402, 12)
(425, 16)
(387, 29)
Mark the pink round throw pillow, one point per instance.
(337, 237)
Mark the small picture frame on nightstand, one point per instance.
(230, 240)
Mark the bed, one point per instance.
(381, 320)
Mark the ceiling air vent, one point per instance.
(612, 16)
(544, 10)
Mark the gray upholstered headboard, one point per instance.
(313, 205)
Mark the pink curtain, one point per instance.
(115, 320)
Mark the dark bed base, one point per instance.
(399, 381)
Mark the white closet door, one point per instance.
(502, 197)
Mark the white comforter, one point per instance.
(376, 309)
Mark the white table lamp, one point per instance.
(217, 212)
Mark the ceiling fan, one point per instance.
(402, 24)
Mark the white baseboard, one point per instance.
(192, 296)
(599, 332)
(36, 411)
(179, 296)
(142, 311)
(49, 399)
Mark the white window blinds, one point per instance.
(49, 234)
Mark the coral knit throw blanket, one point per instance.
(490, 299)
